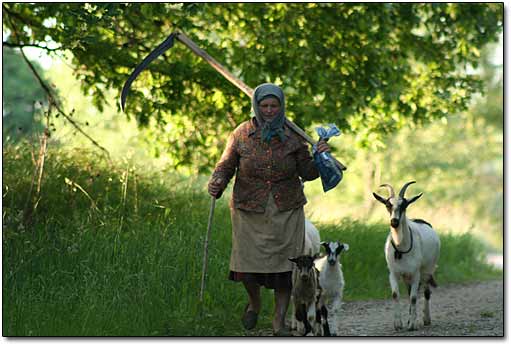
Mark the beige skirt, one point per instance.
(263, 243)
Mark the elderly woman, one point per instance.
(267, 202)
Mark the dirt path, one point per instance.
(456, 310)
(475, 309)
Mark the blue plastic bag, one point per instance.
(330, 174)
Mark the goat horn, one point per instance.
(403, 189)
(390, 188)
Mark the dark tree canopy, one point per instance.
(369, 68)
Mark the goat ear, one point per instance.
(414, 198)
(345, 246)
(379, 198)
(324, 244)
(293, 259)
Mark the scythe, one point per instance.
(169, 43)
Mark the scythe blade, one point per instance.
(164, 46)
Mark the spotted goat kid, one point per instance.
(331, 281)
(308, 314)
(411, 250)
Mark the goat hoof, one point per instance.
(427, 322)
(398, 325)
(283, 332)
(412, 325)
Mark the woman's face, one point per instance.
(269, 108)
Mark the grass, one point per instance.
(487, 314)
(115, 250)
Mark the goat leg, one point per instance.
(301, 319)
(324, 321)
(412, 321)
(398, 324)
(427, 296)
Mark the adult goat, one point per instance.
(411, 250)
(312, 244)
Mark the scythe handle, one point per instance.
(241, 85)
(217, 66)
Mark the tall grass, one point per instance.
(116, 250)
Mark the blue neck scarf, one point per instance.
(275, 127)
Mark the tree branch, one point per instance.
(15, 45)
(52, 98)
(18, 16)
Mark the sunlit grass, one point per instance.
(122, 254)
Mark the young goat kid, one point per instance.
(411, 251)
(306, 295)
(331, 281)
(311, 249)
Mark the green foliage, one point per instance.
(22, 98)
(370, 68)
(458, 165)
(111, 129)
(490, 106)
(457, 162)
(115, 250)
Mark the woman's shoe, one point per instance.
(249, 319)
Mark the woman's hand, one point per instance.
(215, 187)
(322, 146)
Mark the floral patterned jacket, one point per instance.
(262, 167)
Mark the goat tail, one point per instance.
(432, 282)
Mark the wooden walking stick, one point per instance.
(158, 51)
(206, 244)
